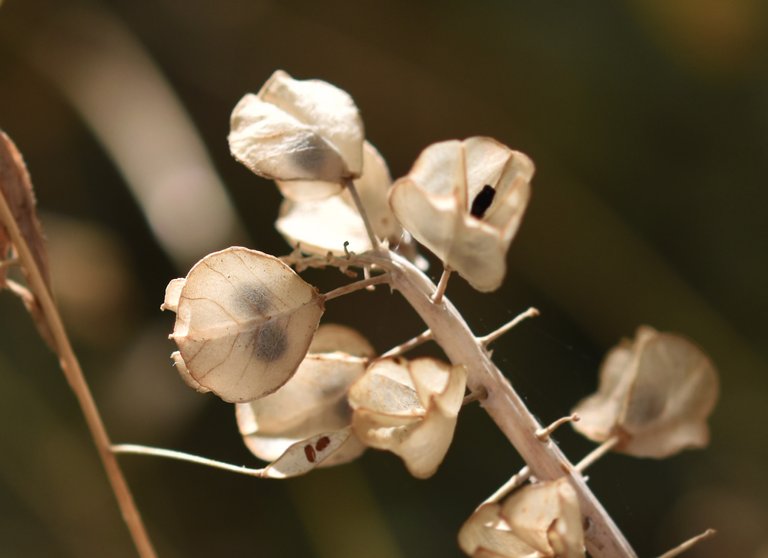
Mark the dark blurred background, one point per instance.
(648, 122)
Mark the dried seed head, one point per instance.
(306, 134)
(409, 408)
(322, 226)
(301, 457)
(244, 321)
(539, 520)
(312, 402)
(464, 200)
(655, 394)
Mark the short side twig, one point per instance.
(412, 343)
(514, 481)
(350, 185)
(678, 550)
(596, 454)
(442, 285)
(494, 335)
(356, 286)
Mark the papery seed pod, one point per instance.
(244, 321)
(409, 408)
(540, 520)
(305, 133)
(313, 401)
(655, 395)
(301, 457)
(464, 200)
(322, 226)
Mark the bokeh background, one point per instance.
(648, 121)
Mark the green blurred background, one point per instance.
(648, 122)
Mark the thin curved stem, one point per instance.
(350, 185)
(544, 433)
(189, 457)
(74, 375)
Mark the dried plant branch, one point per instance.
(597, 453)
(494, 335)
(356, 286)
(547, 431)
(678, 550)
(506, 408)
(514, 481)
(74, 375)
(412, 343)
(519, 478)
(442, 285)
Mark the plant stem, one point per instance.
(596, 454)
(525, 473)
(442, 285)
(547, 431)
(688, 544)
(356, 286)
(182, 456)
(494, 335)
(350, 185)
(506, 408)
(514, 481)
(74, 375)
(412, 343)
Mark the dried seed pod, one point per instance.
(409, 408)
(313, 401)
(538, 521)
(301, 457)
(244, 321)
(655, 394)
(464, 200)
(307, 134)
(322, 226)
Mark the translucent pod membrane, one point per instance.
(312, 402)
(308, 134)
(244, 321)
(464, 200)
(655, 395)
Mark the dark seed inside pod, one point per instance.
(482, 201)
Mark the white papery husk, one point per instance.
(409, 408)
(322, 226)
(312, 402)
(307, 134)
(539, 520)
(655, 394)
(434, 200)
(244, 321)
